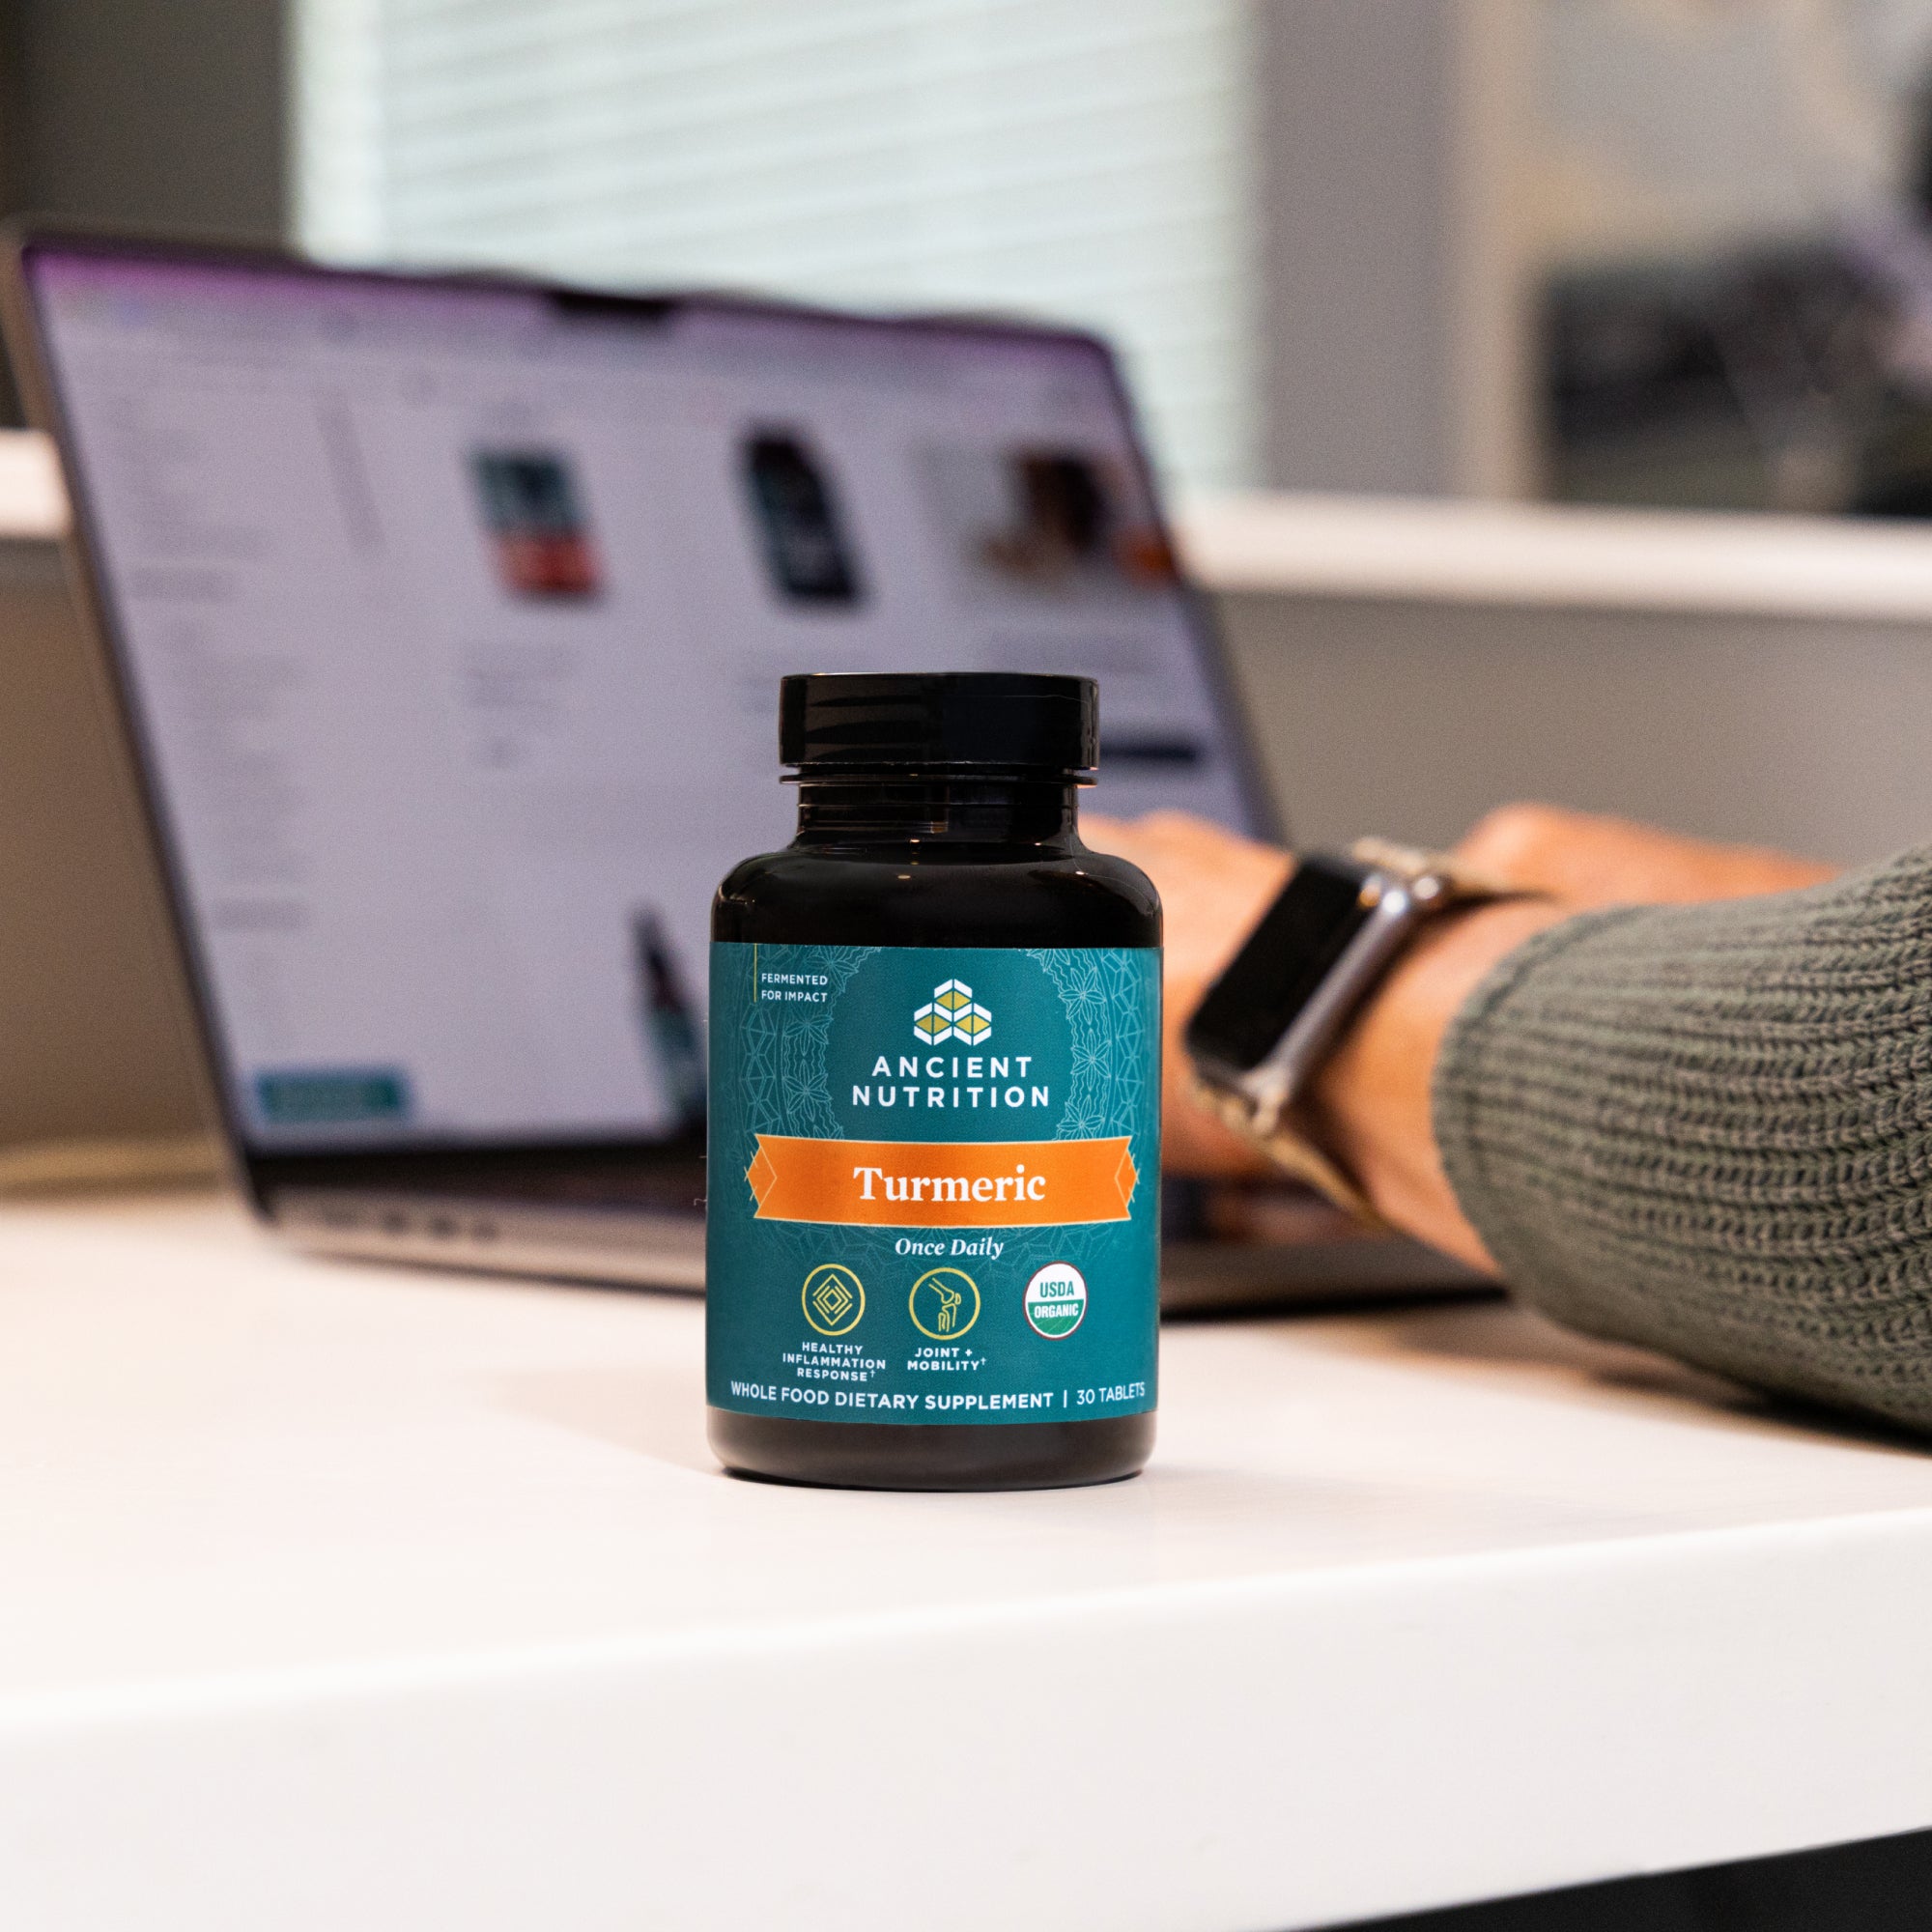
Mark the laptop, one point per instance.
(445, 616)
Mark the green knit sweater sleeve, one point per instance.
(1708, 1128)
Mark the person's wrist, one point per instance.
(1370, 1104)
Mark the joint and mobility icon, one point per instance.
(952, 1014)
(944, 1303)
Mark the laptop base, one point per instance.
(619, 1246)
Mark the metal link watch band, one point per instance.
(1289, 1150)
(1263, 1108)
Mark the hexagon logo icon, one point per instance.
(952, 1014)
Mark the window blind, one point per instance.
(1084, 159)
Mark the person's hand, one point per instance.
(1214, 886)
(1585, 860)
(1370, 1104)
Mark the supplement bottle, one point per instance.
(932, 1238)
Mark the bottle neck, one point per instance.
(982, 808)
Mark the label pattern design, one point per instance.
(933, 1191)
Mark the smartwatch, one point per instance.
(1277, 1013)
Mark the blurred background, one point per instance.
(1545, 386)
(1630, 251)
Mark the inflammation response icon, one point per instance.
(834, 1299)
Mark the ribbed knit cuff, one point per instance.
(1709, 1129)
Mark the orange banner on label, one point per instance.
(941, 1184)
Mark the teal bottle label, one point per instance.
(934, 1182)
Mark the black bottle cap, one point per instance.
(1018, 720)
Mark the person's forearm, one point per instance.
(1370, 1104)
(1373, 1104)
(1703, 1126)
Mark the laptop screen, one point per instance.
(451, 618)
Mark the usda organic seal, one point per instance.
(1056, 1298)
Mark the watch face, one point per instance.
(1286, 959)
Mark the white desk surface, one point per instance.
(339, 1596)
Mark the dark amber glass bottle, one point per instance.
(933, 1195)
